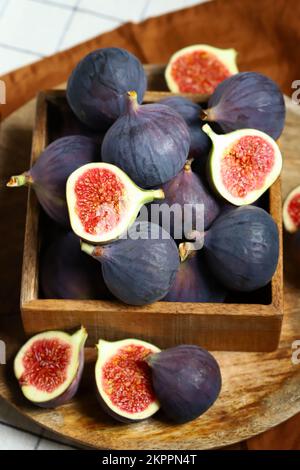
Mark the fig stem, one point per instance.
(87, 248)
(208, 130)
(133, 100)
(156, 194)
(19, 180)
(204, 115)
(188, 164)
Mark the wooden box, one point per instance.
(248, 322)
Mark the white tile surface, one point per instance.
(125, 9)
(33, 26)
(84, 26)
(9, 415)
(13, 439)
(44, 444)
(11, 59)
(159, 7)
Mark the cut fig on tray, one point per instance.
(291, 211)
(103, 202)
(199, 68)
(243, 164)
(49, 367)
(123, 379)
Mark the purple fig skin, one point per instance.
(49, 174)
(149, 142)
(194, 283)
(139, 271)
(248, 100)
(191, 112)
(186, 380)
(97, 87)
(72, 389)
(68, 273)
(188, 188)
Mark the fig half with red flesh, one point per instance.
(243, 164)
(199, 69)
(123, 379)
(291, 211)
(103, 202)
(49, 367)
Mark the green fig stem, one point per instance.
(133, 100)
(80, 336)
(19, 180)
(208, 130)
(188, 164)
(156, 194)
(92, 250)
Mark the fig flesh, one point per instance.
(103, 202)
(200, 142)
(243, 164)
(291, 211)
(49, 367)
(49, 174)
(191, 199)
(186, 380)
(247, 100)
(241, 248)
(194, 282)
(67, 273)
(149, 142)
(141, 268)
(199, 69)
(97, 87)
(123, 379)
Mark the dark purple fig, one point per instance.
(141, 268)
(247, 100)
(49, 367)
(242, 248)
(200, 142)
(291, 211)
(194, 282)
(49, 174)
(186, 380)
(123, 379)
(67, 273)
(97, 87)
(190, 199)
(149, 142)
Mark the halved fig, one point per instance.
(49, 367)
(291, 211)
(123, 379)
(243, 164)
(199, 68)
(103, 201)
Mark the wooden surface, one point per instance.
(247, 322)
(259, 390)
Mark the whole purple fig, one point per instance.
(97, 88)
(67, 273)
(140, 268)
(200, 142)
(149, 142)
(186, 380)
(190, 198)
(247, 100)
(49, 174)
(194, 282)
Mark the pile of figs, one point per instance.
(167, 207)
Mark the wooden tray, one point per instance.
(245, 323)
(259, 390)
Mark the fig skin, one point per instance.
(247, 100)
(188, 188)
(242, 248)
(187, 381)
(96, 90)
(149, 142)
(194, 283)
(49, 174)
(138, 271)
(67, 273)
(200, 142)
